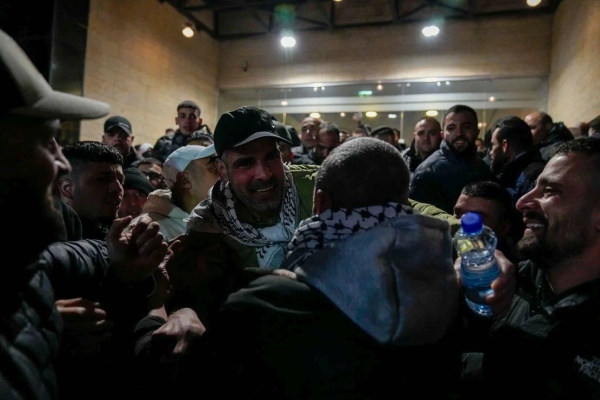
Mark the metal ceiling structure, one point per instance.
(235, 19)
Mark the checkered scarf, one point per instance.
(317, 231)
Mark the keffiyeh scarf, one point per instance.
(317, 231)
(270, 242)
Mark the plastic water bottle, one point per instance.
(475, 244)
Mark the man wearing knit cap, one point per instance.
(136, 189)
(189, 172)
(249, 216)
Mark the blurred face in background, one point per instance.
(428, 135)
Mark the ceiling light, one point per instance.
(364, 93)
(342, 114)
(434, 79)
(408, 84)
(533, 3)
(338, 1)
(188, 31)
(392, 116)
(430, 31)
(431, 113)
(439, 83)
(284, 103)
(380, 87)
(492, 98)
(371, 114)
(315, 115)
(447, 83)
(288, 41)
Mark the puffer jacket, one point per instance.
(165, 145)
(441, 177)
(30, 329)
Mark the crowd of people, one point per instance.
(256, 262)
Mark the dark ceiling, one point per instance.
(234, 19)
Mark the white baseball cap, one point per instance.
(179, 160)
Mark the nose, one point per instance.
(62, 164)
(262, 172)
(527, 201)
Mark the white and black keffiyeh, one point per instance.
(269, 242)
(315, 232)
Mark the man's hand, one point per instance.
(503, 286)
(178, 333)
(135, 255)
(86, 326)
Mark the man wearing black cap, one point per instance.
(118, 134)
(249, 217)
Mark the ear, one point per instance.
(176, 122)
(66, 188)
(184, 180)
(322, 202)
(222, 170)
(103, 140)
(504, 145)
(132, 137)
(199, 121)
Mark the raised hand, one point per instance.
(136, 254)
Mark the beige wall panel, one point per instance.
(138, 61)
(574, 91)
(491, 47)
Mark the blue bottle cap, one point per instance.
(471, 222)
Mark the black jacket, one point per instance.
(30, 329)
(165, 145)
(519, 175)
(547, 346)
(441, 177)
(558, 135)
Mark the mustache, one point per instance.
(460, 138)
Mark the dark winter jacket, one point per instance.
(519, 175)
(165, 145)
(558, 135)
(441, 177)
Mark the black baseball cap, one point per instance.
(117, 121)
(244, 125)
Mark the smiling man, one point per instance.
(248, 218)
(547, 345)
(439, 179)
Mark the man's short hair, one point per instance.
(363, 172)
(460, 108)
(200, 135)
(515, 130)
(429, 119)
(330, 128)
(188, 104)
(491, 190)
(87, 151)
(147, 160)
(589, 146)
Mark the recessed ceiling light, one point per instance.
(492, 98)
(430, 31)
(439, 83)
(371, 114)
(447, 83)
(315, 115)
(431, 113)
(392, 116)
(408, 84)
(188, 31)
(533, 3)
(288, 41)
(380, 87)
(284, 103)
(342, 114)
